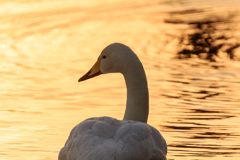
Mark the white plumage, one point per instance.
(106, 138)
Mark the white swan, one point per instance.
(106, 138)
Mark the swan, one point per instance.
(106, 138)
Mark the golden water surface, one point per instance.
(46, 45)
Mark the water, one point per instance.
(46, 46)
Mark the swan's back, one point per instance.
(106, 138)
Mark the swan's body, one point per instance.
(106, 138)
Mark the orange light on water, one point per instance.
(46, 46)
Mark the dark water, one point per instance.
(46, 46)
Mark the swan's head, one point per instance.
(114, 58)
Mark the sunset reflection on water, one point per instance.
(45, 47)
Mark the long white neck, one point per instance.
(137, 107)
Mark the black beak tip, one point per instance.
(82, 79)
(86, 76)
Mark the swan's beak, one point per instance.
(93, 72)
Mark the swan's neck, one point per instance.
(137, 94)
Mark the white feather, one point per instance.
(106, 138)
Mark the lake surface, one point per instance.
(46, 46)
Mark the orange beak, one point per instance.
(93, 72)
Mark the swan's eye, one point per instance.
(104, 57)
